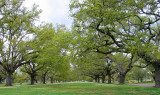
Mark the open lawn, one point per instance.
(77, 89)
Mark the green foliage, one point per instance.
(121, 23)
(126, 26)
(140, 74)
(76, 74)
(91, 64)
(16, 25)
(21, 77)
(52, 45)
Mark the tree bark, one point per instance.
(9, 78)
(157, 75)
(109, 78)
(44, 78)
(1, 79)
(103, 78)
(121, 78)
(32, 79)
(51, 78)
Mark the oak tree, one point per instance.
(127, 26)
(16, 23)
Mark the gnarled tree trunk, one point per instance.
(44, 79)
(157, 75)
(9, 77)
(32, 79)
(121, 78)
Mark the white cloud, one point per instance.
(54, 11)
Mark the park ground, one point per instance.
(77, 89)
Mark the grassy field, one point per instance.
(77, 89)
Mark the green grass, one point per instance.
(77, 89)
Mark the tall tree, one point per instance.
(16, 24)
(122, 25)
(124, 64)
(43, 35)
(53, 45)
(32, 70)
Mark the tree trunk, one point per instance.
(103, 78)
(98, 79)
(44, 78)
(109, 78)
(141, 79)
(157, 76)
(121, 78)
(51, 78)
(36, 80)
(32, 79)
(112, 79)
(1, 79)
(138, 80)
(9, 79)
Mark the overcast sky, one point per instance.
(54, 11)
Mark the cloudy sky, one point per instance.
(54, 11)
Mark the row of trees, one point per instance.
(96, 74)
(28, 47)
(116, 67)
(108, 37)
(129, 27)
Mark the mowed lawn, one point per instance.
(78, 89)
